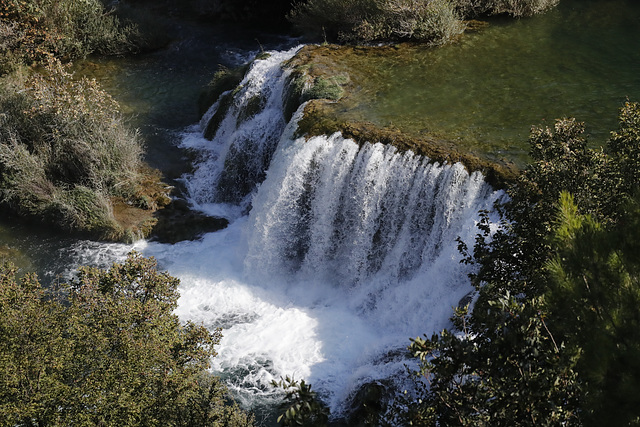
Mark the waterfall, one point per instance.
(249, 123)
(347, 251)
(343, 213)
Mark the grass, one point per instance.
(35, 30)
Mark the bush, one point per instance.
(433, 21)
(517, 8)
(106, 349)
(430, 21)
(67, 29)
(552, 338)
(65, 151)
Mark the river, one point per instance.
(339, 253)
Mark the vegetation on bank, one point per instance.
(66, 155)
(553, 336)
(33, 31)
(353, 21)
(433, 21)
(106, 349)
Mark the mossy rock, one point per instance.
(177, 222)
(320, 118)
(305, 84)
(255, 104)
(225, 102)
(225, 79)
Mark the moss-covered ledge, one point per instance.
(321, 76)
(319, 119)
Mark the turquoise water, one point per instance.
(579, 60)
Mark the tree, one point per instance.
(300, 407)
(105, 349)
(552, 338)
(502, 369)
(594, 298)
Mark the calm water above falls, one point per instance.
(579, 60)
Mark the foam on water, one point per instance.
(235, 160)
(346, 253)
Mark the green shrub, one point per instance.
(517, 8)
(433, 21)
(64, 151)
(106, 349)
(300, 407)
(552, 338)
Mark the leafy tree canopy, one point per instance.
(106, 349)
(552, 338)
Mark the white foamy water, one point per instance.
(235, 160)
(346, 252)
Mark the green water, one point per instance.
(159, 91)
(158, 94)
(579, 60)
(484, 92)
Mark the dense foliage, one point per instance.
(593, 301)
(34, 30)
(300, 407)
(65, 152)
(105, 349)
(553, 336)
(517, 8)
(432, 21)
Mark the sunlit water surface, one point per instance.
(579, 60)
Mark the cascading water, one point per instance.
(347, 252)
(237, 157)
